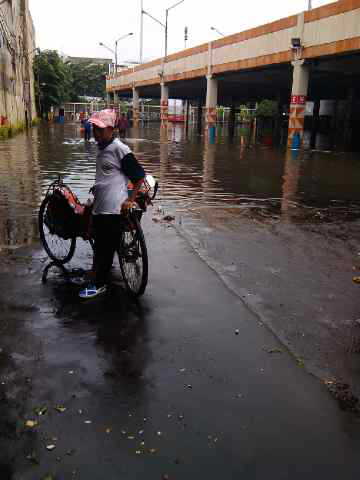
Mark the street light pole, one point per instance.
(141, 29)
(218, 31)
(166, 25)
(116, 44)
(310, 5)
(110, 50)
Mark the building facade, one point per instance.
(17, 53)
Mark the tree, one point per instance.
(87, 80)
(53, 80)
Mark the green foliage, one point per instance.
(267, 108)
(87, 80)
(58, 81)
(53, 80)
(8, 131)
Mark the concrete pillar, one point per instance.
(211, 103)
(116, 98)
(136, 114)
(164, 105)
(108, 98)
(298, 100)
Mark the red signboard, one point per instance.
(298, 99)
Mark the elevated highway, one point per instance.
(312, 55)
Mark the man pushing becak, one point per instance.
(115, 166)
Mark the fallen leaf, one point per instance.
(152, 450)
(108, 430)
(70, 452)
(41, 410)
(356, 279)
(88, 421)
(60, 408)
(272, 350)
(50, 447)
(169, 218)
(31, 423)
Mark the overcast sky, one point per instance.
(75, 27)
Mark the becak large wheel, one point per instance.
(59, 250)
(133, 256)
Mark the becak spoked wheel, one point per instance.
(59, 249)
(133, 256)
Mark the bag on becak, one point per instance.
(64, 213)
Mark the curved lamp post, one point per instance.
(115, 51)
(217, 31)
(165, 26)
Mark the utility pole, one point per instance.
(166, 25)
(141, 29)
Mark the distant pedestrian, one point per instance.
(123, 125)
(87, 130)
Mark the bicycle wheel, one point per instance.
(59, 250)
(133, 257)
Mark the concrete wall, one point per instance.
(327, 30)
(16, 63)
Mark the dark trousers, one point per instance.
(87, 134)
(106, 233)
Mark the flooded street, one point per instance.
(263, 182)
(207, 375)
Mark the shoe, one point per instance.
(91, 291)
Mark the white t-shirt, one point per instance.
(111, 184)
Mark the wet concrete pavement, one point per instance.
(192, 369)
(169, 371)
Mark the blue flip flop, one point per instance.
(91, 291)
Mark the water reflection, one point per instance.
(19, 189)
(291, 184)
(208, 169)
(190, 171)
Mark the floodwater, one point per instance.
(258, 181)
